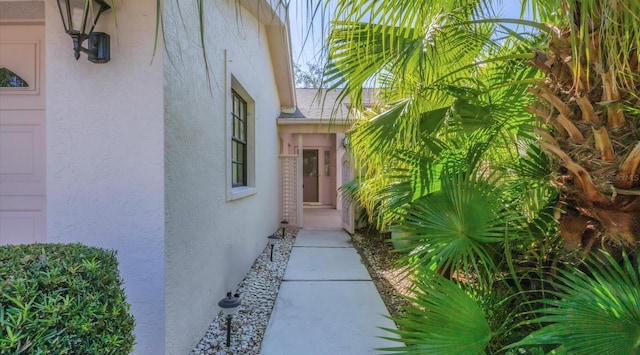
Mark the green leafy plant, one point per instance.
(596, 311)
(443, 319)
(62, 299)
(460, 227)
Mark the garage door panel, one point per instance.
(22, 227)
(22, 152)
(22, 134)
(17, 161)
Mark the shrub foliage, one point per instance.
(62, 299)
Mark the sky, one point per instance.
(307, 39)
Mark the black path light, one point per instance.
(229, 307)
(79, 18)
(283, 224)
(272, 240)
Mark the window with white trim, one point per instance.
(241, 142)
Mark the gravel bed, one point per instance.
(258, 292)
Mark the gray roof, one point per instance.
(315, 104)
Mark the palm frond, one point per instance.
(535, 165)
(458, 228)
(415, 45)
(442, 319)
(595, 312)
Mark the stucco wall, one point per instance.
(211, 241)
(105, 155)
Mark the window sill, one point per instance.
(238, 193)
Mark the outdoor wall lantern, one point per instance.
(283, 224)
(272, 242)
(229, 307)
(79, 18)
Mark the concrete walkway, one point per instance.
(327, 303)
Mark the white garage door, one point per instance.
(22, 134)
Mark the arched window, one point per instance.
(9, 79)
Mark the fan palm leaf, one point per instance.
(594, 312)
(442, 319)
(458, 228)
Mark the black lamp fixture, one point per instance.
(79, 18)
(272, 242)
(283, 224)
(229, 307)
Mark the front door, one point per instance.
(22, 134)
(310, 175)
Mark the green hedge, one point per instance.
(62, 299)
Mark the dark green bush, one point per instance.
(62, 299)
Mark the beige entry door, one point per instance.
(22, 134)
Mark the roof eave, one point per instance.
(273, 15)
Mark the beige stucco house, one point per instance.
(141, 154)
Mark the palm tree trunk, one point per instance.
(594, 135)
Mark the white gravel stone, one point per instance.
(258, 291)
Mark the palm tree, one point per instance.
(436, 82)
(447, 123)
(442, 72)
(450, 73)
(586, 104)
(589, 108)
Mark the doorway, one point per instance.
(310, 176)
